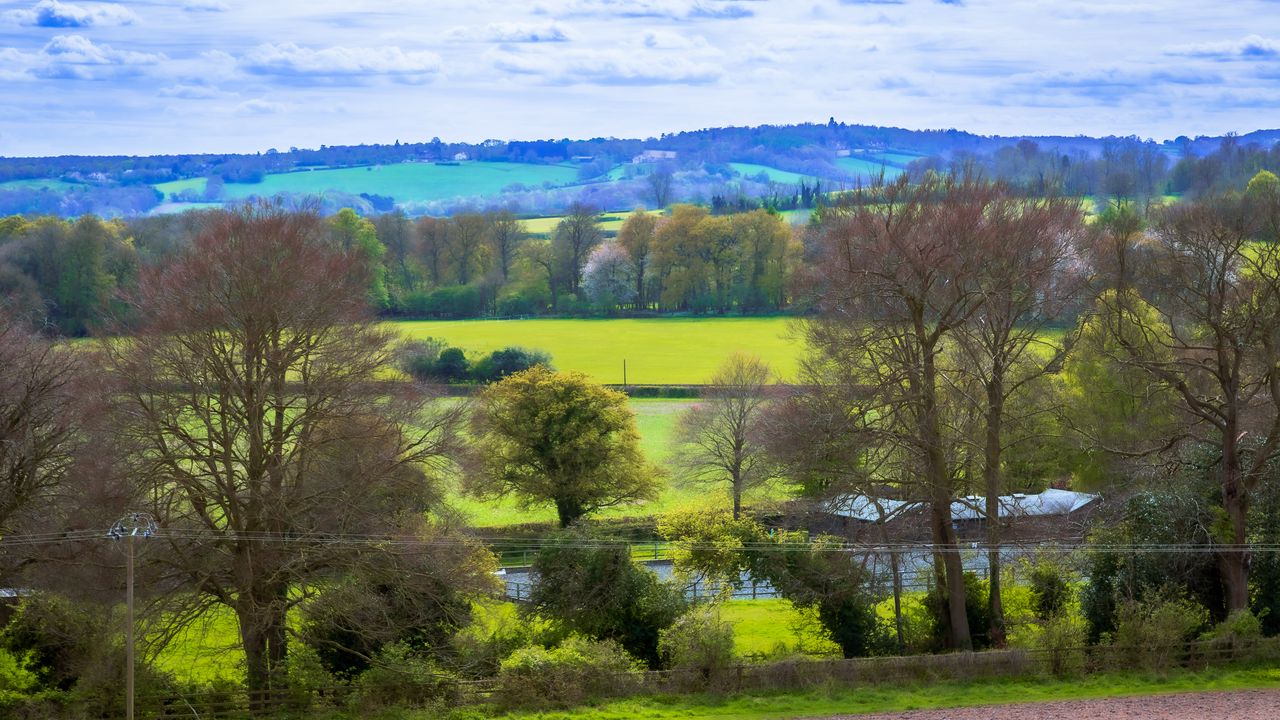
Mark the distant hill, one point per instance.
(534, 176)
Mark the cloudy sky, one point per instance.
(246, 75)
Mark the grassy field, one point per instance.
(818, 703)
(776, 175)
(40, 184)
(868, 167)
(609, 223)
(658, 351)
(656, 420)
(406, 182)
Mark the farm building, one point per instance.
(654, 156)
(1054, 512)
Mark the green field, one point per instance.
(775, 175)
(406, 182)
(40, 184)
(656, 421)
(610, 222)
(658, 351)
(867, 167)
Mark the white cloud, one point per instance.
(610, 67)
(669, 9)
(73, 57)
(1252, 47)
(55, 14)
(338, 62)
(192, 92)
(512, 33)
(205, 6)
(259, 106)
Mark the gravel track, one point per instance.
(1233, 705)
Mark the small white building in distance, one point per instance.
(648, 156)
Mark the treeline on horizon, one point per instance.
(1125, 166)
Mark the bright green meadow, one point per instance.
(658, 351)
(406, 182)
(656, 421)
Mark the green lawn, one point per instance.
(774, 627)
(406, 182)
(659, 351)
(840, 700)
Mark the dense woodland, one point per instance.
(962, 340)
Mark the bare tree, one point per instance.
(38, 420)
(254, 423)
(1213, 282)
(505, 235)
(1030, 277)
(575, 237)
(721, 437)
(660, 182)
(896, 271)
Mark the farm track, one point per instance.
(1236, 705)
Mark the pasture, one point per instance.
(658, 351)
(41, 184)
(869, 167)
(406, 182)
(656, 421)
(774, 174)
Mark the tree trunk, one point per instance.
(569, 510)
(944, 535)
(991, 474)
(1234, 561)
(263, 632)
(737, 498)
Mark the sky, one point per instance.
(185, 76)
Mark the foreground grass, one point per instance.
(836, 701)
(658, 351)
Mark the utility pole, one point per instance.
(130, 527)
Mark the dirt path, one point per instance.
(1235, 705)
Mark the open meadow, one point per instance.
(406, 182)
(658, 351)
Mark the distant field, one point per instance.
(776, 175)
(406, 182)
(609, 222)
(39, 184)
(656, 421)
(659, 351)
(868, 167)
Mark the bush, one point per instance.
(1050, 589)
(1061, 638)
(1154, 633)
(418, 358)
(699, 642)
(398, 677)
(566, 675)
(452, 301)
(58, 639)
(600, 592)
(508, 361)
(451, 366)
(1238, 635)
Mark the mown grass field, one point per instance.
(656, 421)
(40, 184)
(406, 182)
(658, 351)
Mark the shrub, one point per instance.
(418, 358)
(1061, 638)
(600, 592)
(398, 676)
(574, 671)
(452, 301)
(699, 642)
(58, 639)
(1153, 633)
(451, 366)
(1238, 634)
(1050, 589)
(508, 361)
